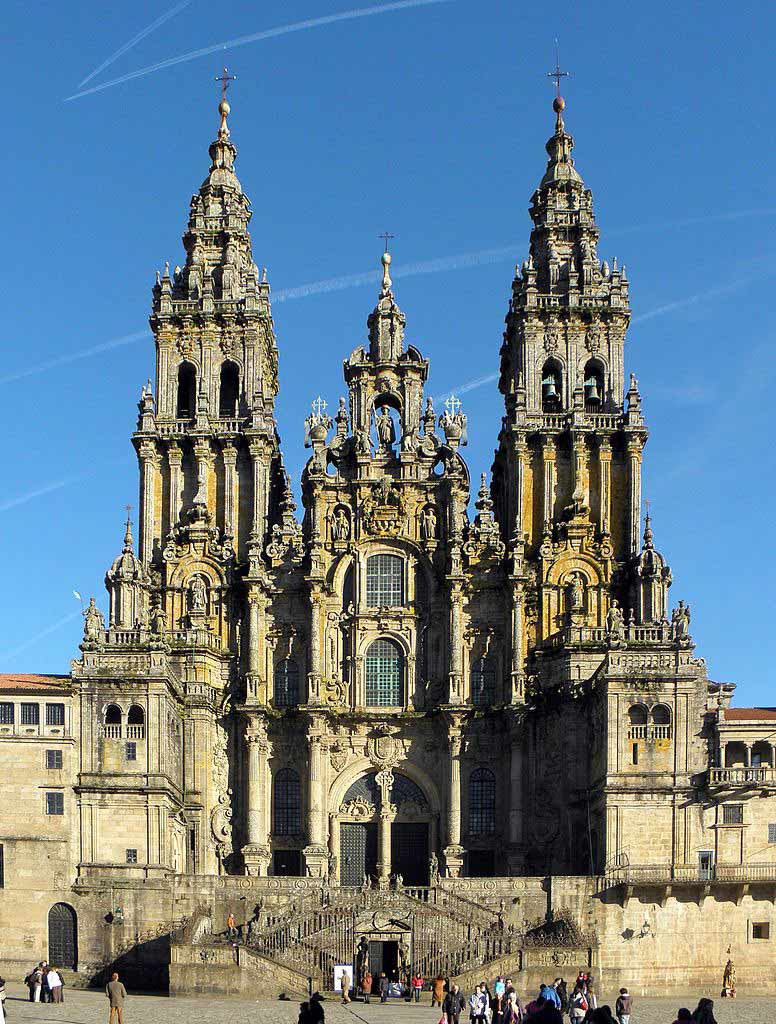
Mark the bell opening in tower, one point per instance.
(187, 391)
(552, 378)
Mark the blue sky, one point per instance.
(430, 122)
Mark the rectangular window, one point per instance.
(761, 930)
(55, 714)
(131, 751)
(55, 803)
(29, 714)
(772, 832)
(131, 856)
(635, 753)
(53, 758)
(6, 713)
(733, 814)
(385, 581)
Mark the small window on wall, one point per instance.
(483, 682)
(772, 832)
(6, 713)
(131, 856)
(55, 803)
(131, 751)
(55, 714)
(53, 758)
(761, 930)
(29, 714)
(733, 814)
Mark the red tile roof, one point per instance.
(19, 681)
(750, 715)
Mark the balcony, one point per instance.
(735, 778)
(650, 733)
(732, 880)
(135, 732)
(112, 732)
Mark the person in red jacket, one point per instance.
(417, 986)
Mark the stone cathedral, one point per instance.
(494, 720)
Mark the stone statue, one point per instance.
(729, 981)
(386, 432)
(362, 958)
(404, 958)
(158, 619)
(428, 524)
(615, 622)
(198, 595)
(433, 869)
(340, 525)
(332, 872)
(94, 622)
(575, 589)
(680, 621)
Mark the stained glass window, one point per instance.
(287, 809)
(482, 801)
(483, 682)
(286, 684)
(384, 581)
(383, 674)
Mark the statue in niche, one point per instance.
(340, 525)
(386, 431)
(197, 595)
(615, 621)
(428, 524)
(680, 621)
(363, 444)
(575, 593)
(94, 622)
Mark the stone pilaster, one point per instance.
(548, 458)
(634, 494)
(175, 459)
(454, 851)
(605, 463)
(316, 854)
(229, 455)
(149, 463)
(256, 852)
(456, 645)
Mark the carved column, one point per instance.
(605, 461)
(634, 494)
(203, 456)
(456, 645)
(521, 452)
(518, 680)
(548, 457)
(579, 489)
(454, 851)
(148, 465)
(256, 850)
(258, 520)
(316, 855)
(314, 677)
(229, 454)
(387, 814)
(175, 458)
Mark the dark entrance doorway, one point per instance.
(287, 862)
(383, 956)
(62, 937)
(409, 851)
(358, 851)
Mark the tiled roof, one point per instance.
(26, 683)
(750, 715)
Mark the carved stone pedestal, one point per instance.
(256, 859)
(316, 860)
(454, 860)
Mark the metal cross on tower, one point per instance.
(557, 74)
(225, 78)
(452, 404)
(386, 237)
(319, 407)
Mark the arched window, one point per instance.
(594, 385)
(287, 804)
(384, 672)
(286, 684)
(229, 392)
(187, 391)
(483, 682)
(660, 720)
(637, 717)
(552, 385)
(113, 715)
(136, 723)
(384, 581)
(482, 801)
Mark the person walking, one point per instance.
(382, 985)
(366, 985)
(497, 1004)
(231, 928)
(417, 985)
(453, 1004)
(116, 994)
(438, 990)
(578, 1004)
(622, 1007)
(704, 1012)
(54, 980)
(478, 1006)
(345, 987)
(513, 1010)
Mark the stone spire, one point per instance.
(652, 578)
(386, 322)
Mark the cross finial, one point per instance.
(557, 74)
(225, 78)
(319, 407)
(452, 404)
(128, 509)
(386, 237)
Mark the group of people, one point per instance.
(45, 984)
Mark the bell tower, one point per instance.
(567, 473)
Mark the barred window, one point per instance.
(772, 832)
(286, 684)
(6, 713)
(483, 682)
(29, 714)
(482, 801)
(733, 814)
(55, 803)
(132, 856)
(384, 671)
(53, 758)
(287, 809)
(55, 714)
(384, 581)
(131, 751)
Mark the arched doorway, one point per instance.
(63, 936)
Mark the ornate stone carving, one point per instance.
(359, 808)
(382, 748)
(383, 511)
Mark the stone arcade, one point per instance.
(389, 731)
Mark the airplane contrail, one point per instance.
(255, 37)
(55, 485)
(135, 40)
(31, 641)
(72, 357)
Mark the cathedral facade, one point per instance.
(387, 692)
